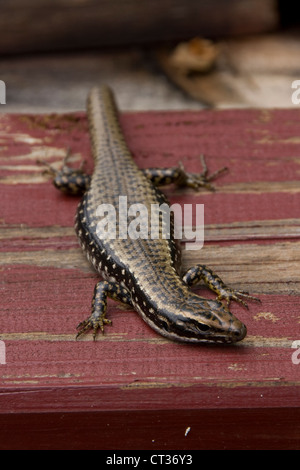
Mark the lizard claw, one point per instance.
(229, 294)
(92, 323)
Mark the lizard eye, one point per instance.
(194, 325)
(202, 326)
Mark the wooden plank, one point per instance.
(160, 430)
(56, 25)
(262, 267)
(252, 241)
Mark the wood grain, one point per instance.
(131, 374)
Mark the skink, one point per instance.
(144, 273)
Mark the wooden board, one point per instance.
(132, 389)
(47, 25)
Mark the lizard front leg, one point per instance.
(69, 180)
(178, 176)
(214, 282)
(97, 319)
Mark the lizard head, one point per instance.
(199, 319)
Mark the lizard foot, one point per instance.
(94, 323)
(199, 180)
(229, 294)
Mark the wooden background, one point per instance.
(132, 389)
(47, 25)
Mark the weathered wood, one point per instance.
(254, 268)
(131, 375)
(42, 25)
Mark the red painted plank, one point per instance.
(219, 208)
(46, 286)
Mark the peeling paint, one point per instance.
(266, 316)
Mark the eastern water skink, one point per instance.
(144, 273)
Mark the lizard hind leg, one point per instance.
(214, 282)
